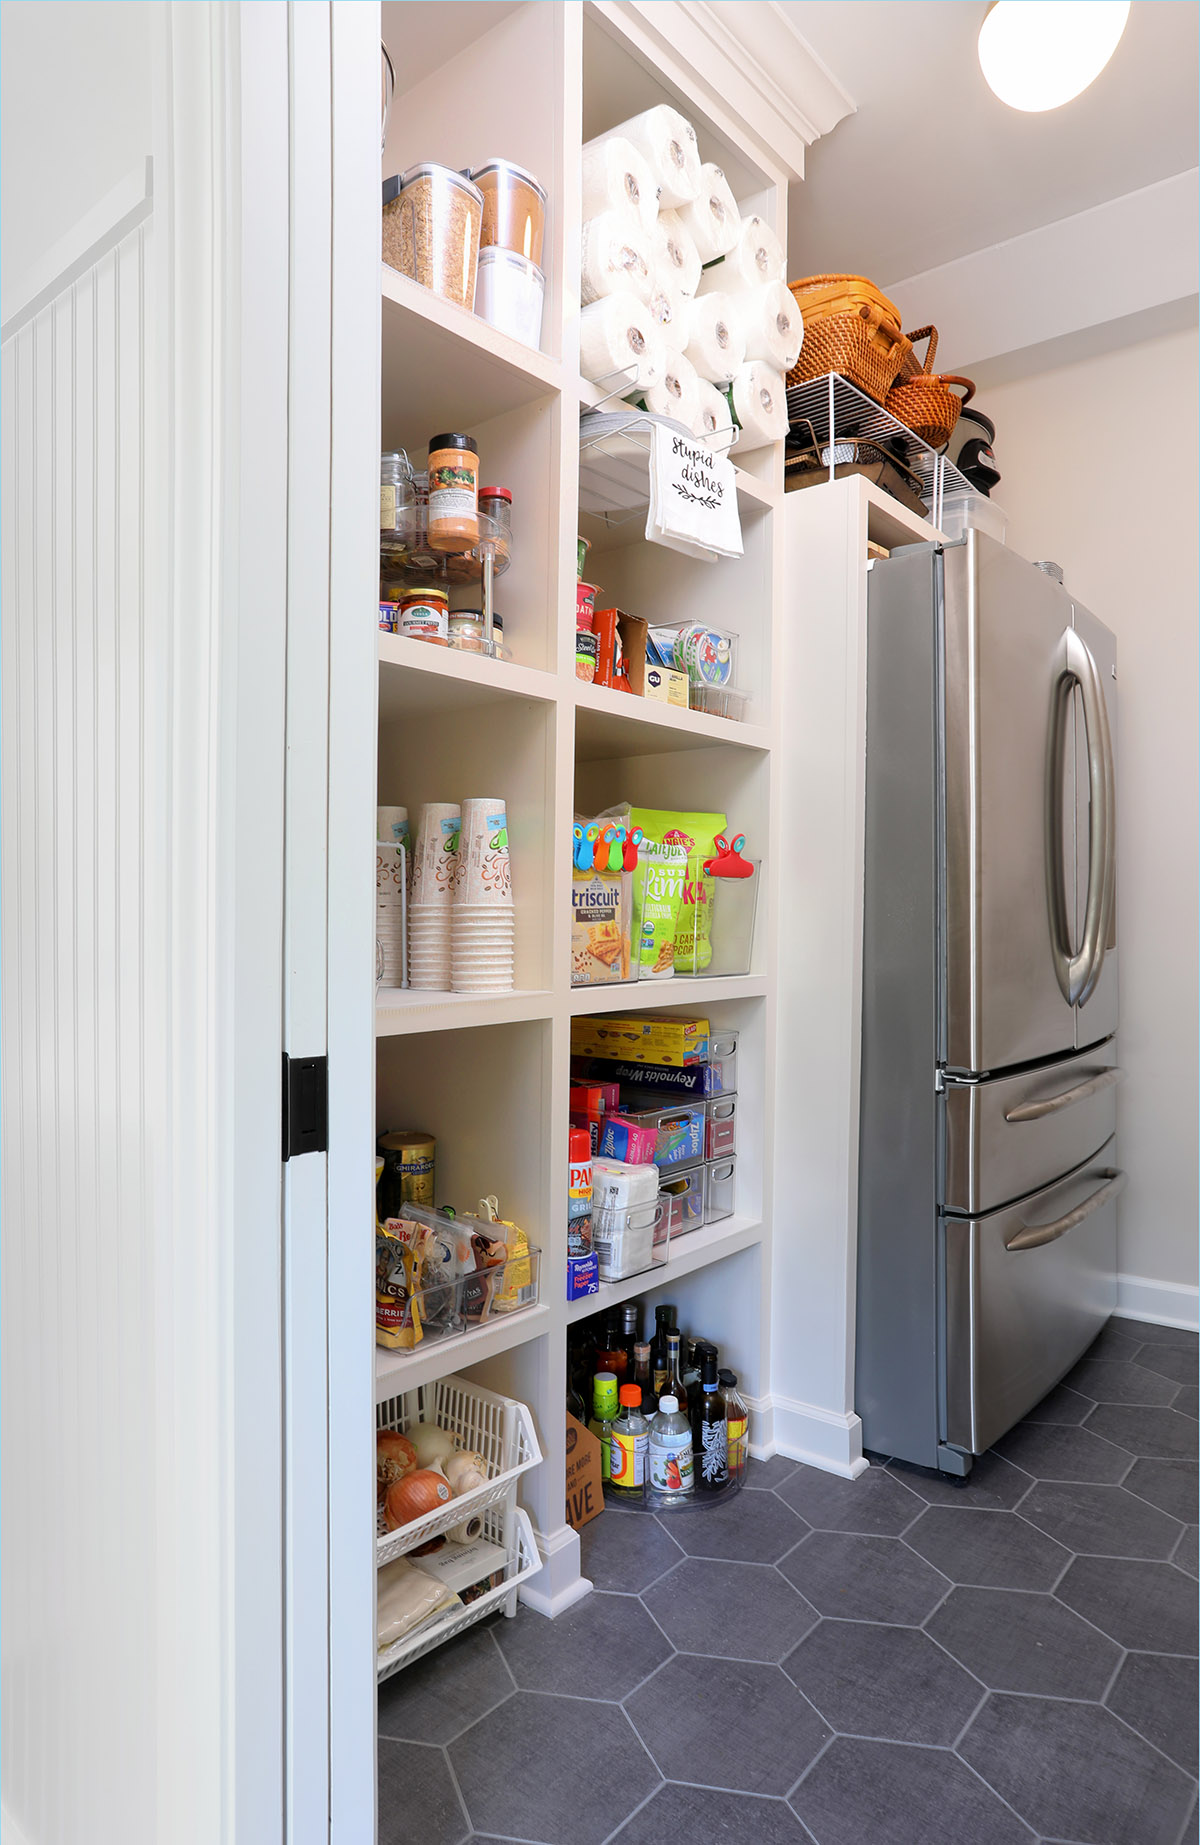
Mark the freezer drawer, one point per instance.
(1026, 1290)
(1008, 1136)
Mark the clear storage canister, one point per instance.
(453, 515)
(514, 208)
(510, 295)
(431, 219)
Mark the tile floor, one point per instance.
(887, 1661)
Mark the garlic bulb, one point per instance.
(465, 1472)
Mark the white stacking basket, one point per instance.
(502, 1430)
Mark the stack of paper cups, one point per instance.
(435, 867)
(390, 862)
(482, 921)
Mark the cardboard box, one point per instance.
(583, 1275)
(666, 685)
(646, 1037)
(585, 1481)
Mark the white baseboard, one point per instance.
(558, 1585)
(1163, 1303)
(824, 1438)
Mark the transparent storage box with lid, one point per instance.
(967, 509)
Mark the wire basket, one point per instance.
(507, 1525)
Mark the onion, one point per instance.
(414, 1496)
(431, 1444)
(395, 1456)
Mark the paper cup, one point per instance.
(435, 854)
(484, 874)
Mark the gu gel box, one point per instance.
(648, 1037)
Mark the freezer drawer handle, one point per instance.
(1032, 1237)
(1050, 1105)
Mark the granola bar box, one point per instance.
(647, 1038)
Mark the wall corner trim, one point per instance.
(826, 1438)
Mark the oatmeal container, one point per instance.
(431, 220)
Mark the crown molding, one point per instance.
(749, 54)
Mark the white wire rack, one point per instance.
(614, 460)
(831, 409)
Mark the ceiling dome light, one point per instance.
(1038, 54)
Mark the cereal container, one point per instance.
(431, 220)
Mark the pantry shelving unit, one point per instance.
(488, 1076)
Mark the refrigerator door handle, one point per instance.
(1051, 1104)
(1077, 974)
(1033, 1236)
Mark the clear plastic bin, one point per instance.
(719, 1187)
(678, 1130)
(682, 1193)
(960, 510)
(629, 1241)
(717, 1075)
(722, 941)
(707, 655)
(725, 701)
(452, 1308)
(720, 1127)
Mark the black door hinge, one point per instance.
(305, 1105)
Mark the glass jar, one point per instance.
(495, 503)
(514, 208)
(397, 500)
(453, 512)
(424, 615)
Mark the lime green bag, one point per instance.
(686, 840)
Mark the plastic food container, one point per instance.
(514, 209)
(720, 1127)
(585, 604)
(510, 294)
(626, 1241)
(974, 510)
(431, 219)
(721, 942)
(683, 1200)
(719, 701)
(707, 655)
(720, 1184)
(678, 1131)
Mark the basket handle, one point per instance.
(930, 334)
(875, 319)
(968, 386)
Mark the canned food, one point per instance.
(408, 1170)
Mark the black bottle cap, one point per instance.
(728, 1378)
(467, 442)
(708, 1373)
(664, 1315)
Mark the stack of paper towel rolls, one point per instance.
(685, 304)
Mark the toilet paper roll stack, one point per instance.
(675, 253)
(617, 178)
(678, 393)
(755, 259)
(615, 257)
(619, 334)
(714, 345)
(770, 324)
(666, 141)
(713, 421)
(759, 399)
(712, 217)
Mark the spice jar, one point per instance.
(431, 220)
(424, 615)
(453, 514)
(495, 503)
(514, 208)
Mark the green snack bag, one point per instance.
(694, 837)
(658, 893)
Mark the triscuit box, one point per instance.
(601, 908)
(585, 1481)
(666, 685)
(647, 1038)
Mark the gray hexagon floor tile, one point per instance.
(1050, 1453)
(437, 1698)
(864, 1578)
(1109, 1381)
(519, 1770)
(767, 1475)
(1180, 1363)
(1147, 1333)
(1075, 1772)
(603, 1647)
(625, 1551)
(1184, 1554)
(1149, 1606)
(730, 1610)
(878, 1793)
(1062, 1405)
(417, 1797)
(891, 1683)
(1026, 1643)
(1151, 1434)
(993, 1550)
(1156, 1695)
(1119, 1340)
(1187, 1403)
(1101, 1521)
(756, 1529)
(993, 1484)
(876, 1504)
(1191, 1832)
(1170, 1485)
(726, 1724)
(699, 1814)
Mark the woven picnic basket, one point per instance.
(851, 328)
(925, 400)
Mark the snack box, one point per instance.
(647, 1038)
(667, 686)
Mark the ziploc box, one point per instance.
(650, 1037)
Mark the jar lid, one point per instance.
(452, 441)
(496, 493)
(477, 615)
(422, 593)
(431, 170)
(509, 167)
(493, 253)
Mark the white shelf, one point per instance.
(416, 676)
(398, 1011)
(696, 1250)
(889, 523)
(610, 724)
(444, 368)
(397, 1371)
(658, 995)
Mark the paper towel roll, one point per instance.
(618, 334)
(713, 420)
(667, 141)
(678, 393)
(617, 178)
(614, 257)
(759, 399)
(675, 252)
(757, 257)
(713, 342)
(712, 216)
(770, 324)
(667, 309)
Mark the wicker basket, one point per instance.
(923, 399)
(849, 328)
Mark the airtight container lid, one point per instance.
(431, 170)
(506, 169)
(493, 254)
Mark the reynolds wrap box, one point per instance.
(646, 1037)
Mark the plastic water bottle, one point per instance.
(672, 1480)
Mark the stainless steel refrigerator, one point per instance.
(987, 1156)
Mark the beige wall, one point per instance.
(1099, 460)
